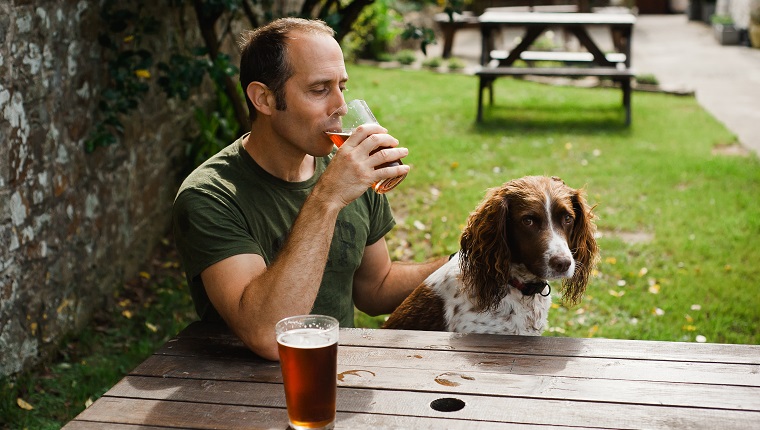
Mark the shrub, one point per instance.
(456, 63)
(647, 78)
(406, 57)
(433, 62)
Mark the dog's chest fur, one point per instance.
(516, 314)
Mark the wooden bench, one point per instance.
(559, 57)
(623, 76)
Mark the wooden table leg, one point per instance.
(448, 39)
(626, 83)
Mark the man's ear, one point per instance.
(261, 97)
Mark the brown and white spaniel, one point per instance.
(523, 234)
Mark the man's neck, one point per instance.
(281, 161)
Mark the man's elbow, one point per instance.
(261, 346)
(371, 309)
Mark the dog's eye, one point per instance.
(528, 221)
(568, 219)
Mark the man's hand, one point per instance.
(352, 170)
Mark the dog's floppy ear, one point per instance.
(484, 255)
(584, 248)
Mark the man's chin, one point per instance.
(324, 151)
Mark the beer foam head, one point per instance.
(308, 338)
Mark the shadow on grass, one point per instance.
(540, 119)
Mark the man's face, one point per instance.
(313, 93)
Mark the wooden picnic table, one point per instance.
(593, 61)
(205, 378)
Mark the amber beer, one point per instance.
(308, 347)
(382, 186)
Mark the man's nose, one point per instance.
(340, 101)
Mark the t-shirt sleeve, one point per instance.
(381, 218)
(208, 229)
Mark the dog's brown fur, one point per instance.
(424, 308)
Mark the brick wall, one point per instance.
(73, 225)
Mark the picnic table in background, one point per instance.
(591, 61)
(206, 378)
(449, 24)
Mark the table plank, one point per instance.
(556, 346)
(152, 401)
(527, 345)
(473, 382)
(174, 414)
(600, 368)
(446, 357)
(94, 425)
(556, 18)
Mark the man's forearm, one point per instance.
(402, 279)
(290, 284)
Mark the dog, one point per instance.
(524, 233)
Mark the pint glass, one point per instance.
(352, 115)
(308, 346)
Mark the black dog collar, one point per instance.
(531, 288)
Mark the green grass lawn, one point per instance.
(678, 222)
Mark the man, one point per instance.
(277, 224)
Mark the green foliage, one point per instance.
(722, 19)
(425, 35)
(454, 6)
(183, 73)
(373, 34)
(544, 43)
(406, 57)
(217, 129)
(455, 63)
(647, 78)
(433, 62)
(128, 68)
(141, 316)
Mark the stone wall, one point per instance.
(73, 225)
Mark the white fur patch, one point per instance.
(517, 314)
(557, 246)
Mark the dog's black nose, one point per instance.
(560, 264)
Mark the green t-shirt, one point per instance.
(230, 205)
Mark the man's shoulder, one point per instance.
(216, 170)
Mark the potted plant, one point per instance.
(725, 31)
